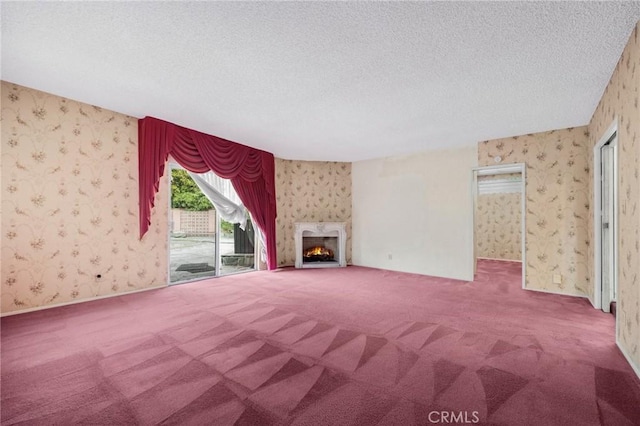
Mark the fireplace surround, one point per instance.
(331, 236)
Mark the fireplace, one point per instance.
(320, 244)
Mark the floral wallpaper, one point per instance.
(498, 226)
(70, 204)
(621, 99)
(557, 204)
(310, 191)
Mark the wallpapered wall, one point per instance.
(557, 210)
(70, 203)
(310, 191)
(498, 226)
(621, 99)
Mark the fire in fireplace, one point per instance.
(318, 254)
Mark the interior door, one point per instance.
(475, 222)
(608, 212)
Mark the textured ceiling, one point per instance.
(337, 81)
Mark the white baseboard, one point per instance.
(634, 366)
(74, 302)
(539, 290)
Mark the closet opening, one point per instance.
(499, 216)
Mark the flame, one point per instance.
(318, 251)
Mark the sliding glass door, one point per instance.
(210, 231)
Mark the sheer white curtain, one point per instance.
(233, 212)
(223, 186)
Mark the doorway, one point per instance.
(605, 220)
(210, 233)
(499, 214)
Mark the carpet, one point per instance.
(344, 346)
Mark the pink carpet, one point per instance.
(351, 346)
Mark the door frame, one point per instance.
(609, 134)
(496, 170)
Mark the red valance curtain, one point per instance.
(251, 171)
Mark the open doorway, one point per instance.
(499, 215)
(605, 220)
(210, 232)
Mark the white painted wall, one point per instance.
(419, 210)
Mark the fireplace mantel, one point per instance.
(321, 229)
